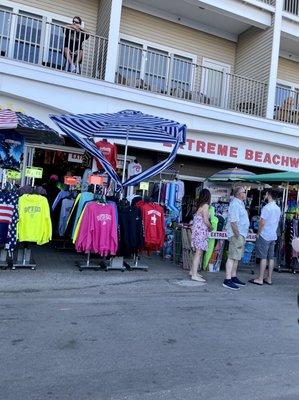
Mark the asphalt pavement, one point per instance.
(94, 335)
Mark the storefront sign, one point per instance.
(13, 175)
(95, 180)
(71, 180)
(34, 172)
(144, 185)
(223, 235)
(240, 152)
(75, 158)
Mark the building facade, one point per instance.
(228, 69)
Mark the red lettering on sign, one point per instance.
(258, 156)
(167, 144)
(211, 148)
(200, 146)
(248, 154)
(190, 143)
(294, 162)
(233, 152)
(267, 158)
(285, 161)
(276, 159)
(222, 150)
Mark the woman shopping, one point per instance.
(200, 233)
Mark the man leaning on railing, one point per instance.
(74, 37)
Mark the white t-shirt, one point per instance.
(134, 169)
(271, 215)
(237, 213)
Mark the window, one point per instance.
(214, 82)
(287, 96)
(28, 37)
(5, 23)
(32, 35)
(150, 67)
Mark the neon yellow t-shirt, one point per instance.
(34, 219)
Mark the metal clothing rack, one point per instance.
(24, 259)
(136, 264)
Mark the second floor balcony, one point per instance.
(57, 47)
(292, 7)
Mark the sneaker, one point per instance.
(227, 283)
(197, 278)
(237, 281)
(73, 68)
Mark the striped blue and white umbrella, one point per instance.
(231, 175)
(126, 125)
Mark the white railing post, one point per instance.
(113, 39)
(274, 59)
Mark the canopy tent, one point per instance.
(291, 177)
(126, 125)
(32, 129)
(231, 175)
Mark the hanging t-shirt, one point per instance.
(11, 149)
(8, 218)
(66, 207)
(131, 229)
(181, 190)
(34, 219)
(98, 229)
(134, 169)
(154, 225)
(109, 150)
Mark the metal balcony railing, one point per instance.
(36, 41)
(270, 2)
(292, 6)
(287, 105)
(177, 77)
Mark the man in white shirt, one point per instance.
(237, 231)
(266, 238)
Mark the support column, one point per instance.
(113, 38)
(274, 58)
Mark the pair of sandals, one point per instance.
(260, 284)
(197, 278)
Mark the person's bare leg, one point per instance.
(270, 271)
(68, 55)
(234, 269)
(196, 262)
(263, 266)
(229, 268)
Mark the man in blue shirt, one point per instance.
(237, 231)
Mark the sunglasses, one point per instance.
(76, 22)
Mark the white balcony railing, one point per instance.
(287, 105)
(174, 76)
(292, 6)
(35, 41)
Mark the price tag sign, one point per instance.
(14, 175)
(34, 172)
(71, 180)
(95, 180)
(144, 185)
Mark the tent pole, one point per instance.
(125, 159)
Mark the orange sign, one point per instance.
(95, 180)
(70, 180)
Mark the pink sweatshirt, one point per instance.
(98, 230)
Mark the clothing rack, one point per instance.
(136, 264)
(24, 259)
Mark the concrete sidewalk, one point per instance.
(140, 335)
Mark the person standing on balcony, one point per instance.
(73, 39)
(237, 231)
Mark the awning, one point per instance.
(33, 130)
(291, 177)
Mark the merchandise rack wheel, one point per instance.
(80, 269)
(33, 268)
